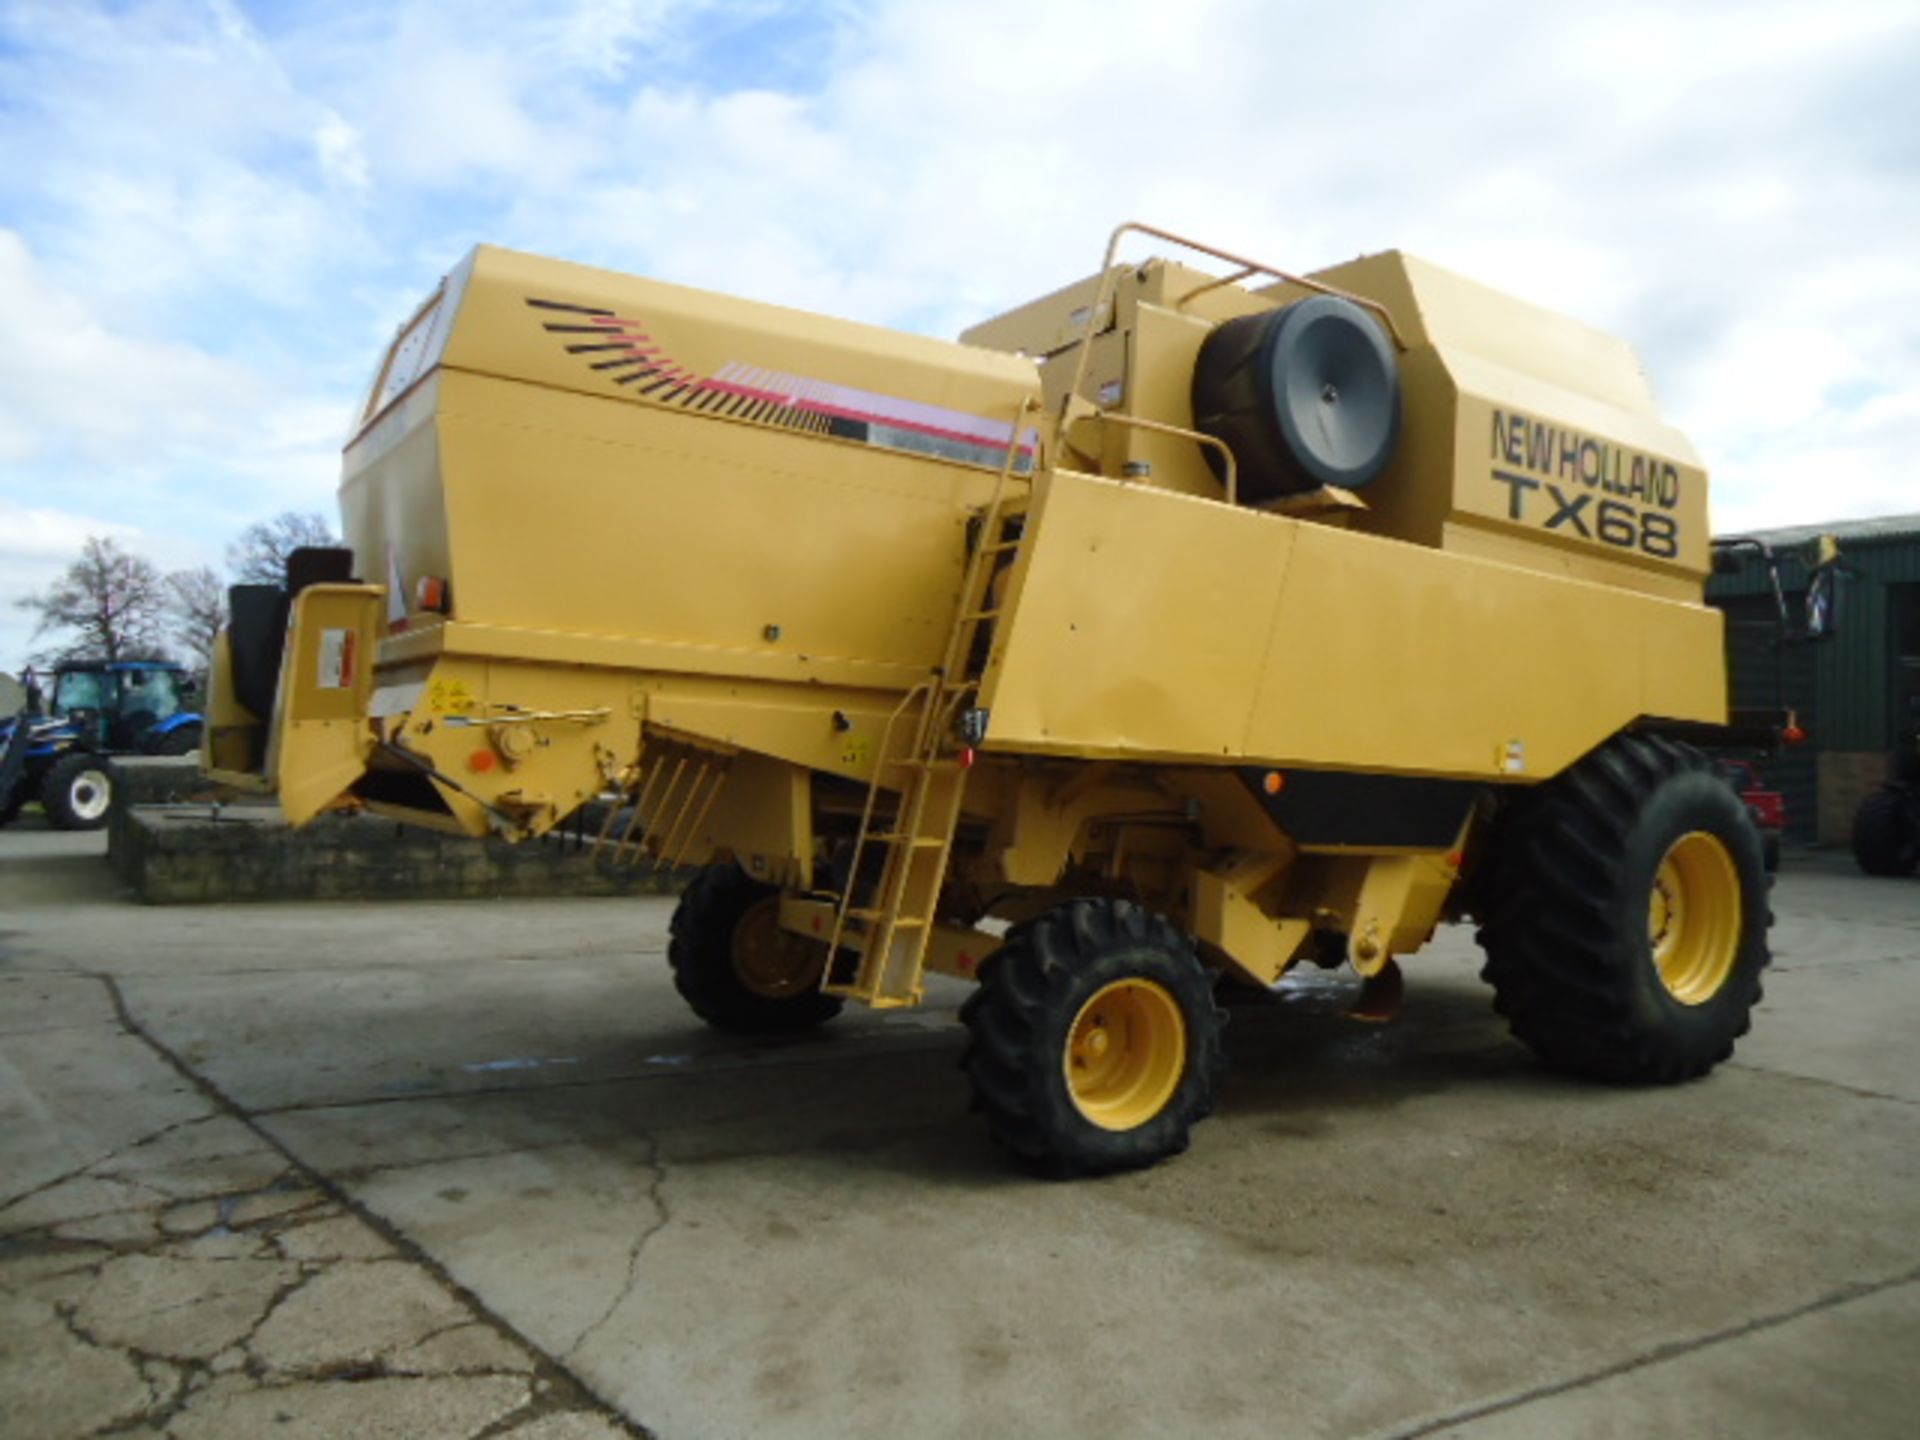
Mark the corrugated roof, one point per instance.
(1884, 527)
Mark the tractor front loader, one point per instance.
(1172, 627)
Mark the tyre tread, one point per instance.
(1028, 993)
(1564, 972)
(701, 933)
(1884, 836)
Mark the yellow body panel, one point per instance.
(1151, 625)
(320, 741)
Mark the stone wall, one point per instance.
(198, 853)
(1846, 778)
(141, 780)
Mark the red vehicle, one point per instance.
(1768, 807)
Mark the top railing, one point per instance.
(1103, 298)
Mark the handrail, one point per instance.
(1162, 428)
(1103, 297)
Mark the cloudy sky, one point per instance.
(213, 214)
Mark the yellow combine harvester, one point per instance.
(1070, 659)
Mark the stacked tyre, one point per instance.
(1886, 831)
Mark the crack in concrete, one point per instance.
(189, 1374)
(461, 1157)
(41, 1238)
(173, 1381)
(663, 1216)
(549, 1375)
(539, 1404)
(1859, 1092)
(1658, 1354)
(93, 1165)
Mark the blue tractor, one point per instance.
(97, 709)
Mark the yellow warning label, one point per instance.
(449, 697)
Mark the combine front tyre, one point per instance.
(734, 964)
(77, 792)
(1094, 1039)
(1625, 915)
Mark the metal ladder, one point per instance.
(917, 833)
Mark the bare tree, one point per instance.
(196, 608)
(109, 605)
(259, 556)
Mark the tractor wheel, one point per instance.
(734, 964)
(11, 807)
(77, 792)
(1626, 915)
(1886, 834)
(184, 741)
(1093, 1039)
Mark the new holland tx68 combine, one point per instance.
(1071, 659)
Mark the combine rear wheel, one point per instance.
(77, 792)
(1094, 1039)
(1886, 833)
(1625, 920)
(734, 964)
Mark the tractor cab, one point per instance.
(117, 707)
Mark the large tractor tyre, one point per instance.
(182, 741)
(1093, 1039)
(1625, 915)
(1886, 833)
(16, 782)
(735, 966)
(1304, 396)
(77, 792)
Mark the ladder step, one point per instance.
(903, 922)
(978, 614)
(899, 837)
(1000, 547)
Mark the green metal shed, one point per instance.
(1857, 691)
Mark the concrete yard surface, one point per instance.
(470, 1169)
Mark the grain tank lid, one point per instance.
(1044, 326)
(1436, 307)
(599, 332)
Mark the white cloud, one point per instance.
(70, 384)
(216, 219)
(1841, 463)
(343, 157)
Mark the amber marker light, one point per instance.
(481, 761)
(431, 594)
(1273, 782)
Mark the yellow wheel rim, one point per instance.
(1126, 1053)
(772, 962)
(1693, 917)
